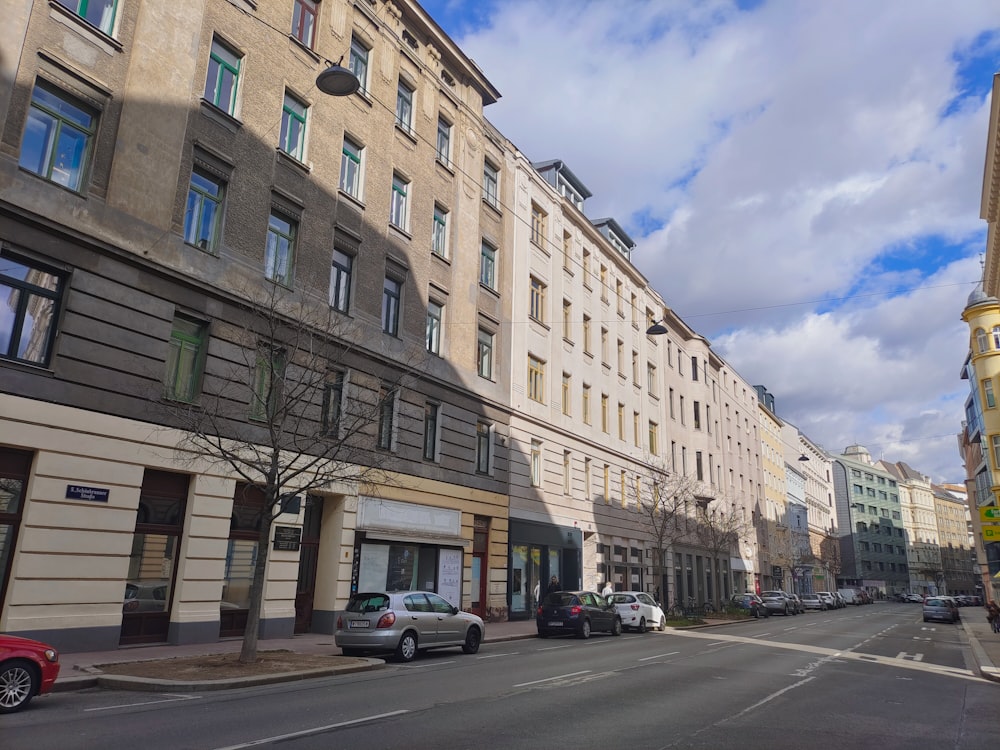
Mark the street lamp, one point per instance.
(337, 80)
(803, 457)
(656, 329)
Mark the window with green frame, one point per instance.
(293, 127)
(58, 137)
(279, 254)
(222, 80)
(98, 13)
(266, 389)
(185, 359)
(203, 212)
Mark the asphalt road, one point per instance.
(861, 677)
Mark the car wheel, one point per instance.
(584, 631)
(785, 611)
(642, 625)
(18, 685)
(616, 627)
(663, 624)
(407, 648)
(472, 640)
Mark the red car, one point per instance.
(27, 668)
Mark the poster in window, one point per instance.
(450, 575)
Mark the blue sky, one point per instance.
(828, 155)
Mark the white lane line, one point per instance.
(170, 699)
(768, 699)
(762, 635)
(314, 730)
(659, 656)
(425, 665)
(719, 643)
(550, 679)
(495, 656)
(552, 648)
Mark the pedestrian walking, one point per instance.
(608, 589)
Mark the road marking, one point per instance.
(769, 698)
(918, 638)
(659, 656)
(424, 665)
(761, 635)
(494, 656)
(911, 657)
(314, 730)
(552, 648)
(550, 679)
(170, 699)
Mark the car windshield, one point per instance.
(368, 603)
(560, 599)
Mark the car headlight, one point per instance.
(51, 655)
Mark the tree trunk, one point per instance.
(248, 653)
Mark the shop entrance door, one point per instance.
(527, 586)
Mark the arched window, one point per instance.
(981, 341)
(996, 337)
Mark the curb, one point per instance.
(151, 685)
(986, 669)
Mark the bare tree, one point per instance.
(720, 527)
(663, 503)
(284, 410)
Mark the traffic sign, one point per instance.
(991, 533)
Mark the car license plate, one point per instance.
(359, 624)
(555, 624)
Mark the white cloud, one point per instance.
(813, 151)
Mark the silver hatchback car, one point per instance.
(405, 622)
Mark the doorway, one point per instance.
(305, 590)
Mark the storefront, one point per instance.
(404, 546)
(539, 551)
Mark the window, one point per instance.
(340, 281)
(485, 354)
(536, 309)
(586, 335)
(333, 403)
(279, 254)
(991, 401)
(536, 379)
(619, 297)
(293, 128)
(350, 168)
(304, 21)
(697, 415)
(537, 226)
(698, 469)
(488, 266)
(604, 345)
(636, 432)
(566, 393)
(567, 320)
(651, 377)
(391, 293)
(444, 142)
(586, 480)
(586, 268)
(536, 463)
(982, 341)
(635, 367)
(483, 443)
(99, 13)
(184, 359)
(222, 80)
(607, 483)
(586, 404)
(653, 438)
(269, 371)
(435, 312)
(397, 209)
(431, 431)
(567, 252)
(387, 418)
(694, 369)
(30, 303)
(604, 412)
(996, 337)
(203, 213)
(404, 106)
(491, 177)
(621, 421)
(604, 283)
(358, 63)
(58, 137)
(439, 232)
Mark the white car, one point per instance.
(828, 599)
(638, 610)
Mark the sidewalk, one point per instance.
(79, 672)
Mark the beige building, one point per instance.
(919, 514)
(151, 185)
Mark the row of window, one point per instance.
(881, 512)
(879, 565)
(876, 547)
(858, 489)
(869, 477)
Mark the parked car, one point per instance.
(777, 603)
(940, 608)
(829, 599)
(577, 612)
(813, 601)
(405, 622)
(750, 603)
(27, 668)
(638, 610)
(796, 604)
(851, 596)
(913, 598)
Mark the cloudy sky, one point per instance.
(802, 180)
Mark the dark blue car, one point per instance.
(577, 612)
